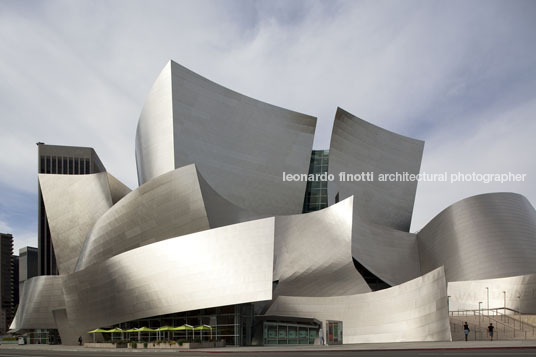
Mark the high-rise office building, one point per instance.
(6, 281)
(64, 160)
(28, 257)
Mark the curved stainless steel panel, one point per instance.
(168, 206)
(241, 146)
(481, 237)
(73, 204)
(221, 212)
(40, 296)
(313, 253)
(358, 146)
(154, 134)
(519, 292)
(391, 255)
(118, 190)
(222, 266)
(414, 311)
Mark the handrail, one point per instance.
(490, 309)
(518, 320)
(519, 331)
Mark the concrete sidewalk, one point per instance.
(455, 345)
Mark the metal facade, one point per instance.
(241, 146)
(413, 311)
(481, 237)
(358, 146)
(214, 224)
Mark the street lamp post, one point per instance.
(479, 315)
(504, 292)
(519, 312)
(487, 298)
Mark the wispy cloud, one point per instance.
(460, 75)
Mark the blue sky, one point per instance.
(460, 75)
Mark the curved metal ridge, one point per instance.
(481, 237)
(358, 146)
(174, 275)
(313, 253)
(240, 145)
(413, 311)
(169, 205)
(41, 295)
(73, 204)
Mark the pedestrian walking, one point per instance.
(466, 330)
(490, 331)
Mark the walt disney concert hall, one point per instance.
(214, 236)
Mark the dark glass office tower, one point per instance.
(64, 160)
(316, 192)
(6, 281)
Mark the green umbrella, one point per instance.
(165, 328)
(114, 330)
(202, 328)
(131, 330)
(97, 330)
(184, 327)
(144, 329)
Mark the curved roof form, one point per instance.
(40, 296)
(358, 146)
(414, 311)
(178, 274)
(313, 253)
(168, 206)
(214, 223)
(481, 237)
(73, 204)
(173, 204)
(390, 254)
(241, 146)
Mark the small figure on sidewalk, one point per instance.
(466, 330)
(490, 330)
(80, 340)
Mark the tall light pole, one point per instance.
(487, 298)
(504, 292)
(479, 315)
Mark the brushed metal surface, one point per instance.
(178, 274)
(413, 311)
(41, 295)
(313, 253)
(118, 190)
(358, 146)
(241, 146)
(481, 237)
(169, 205)
(390, 254)
(519, 291)
(217, 267)
(73, 204)
(154, 134)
